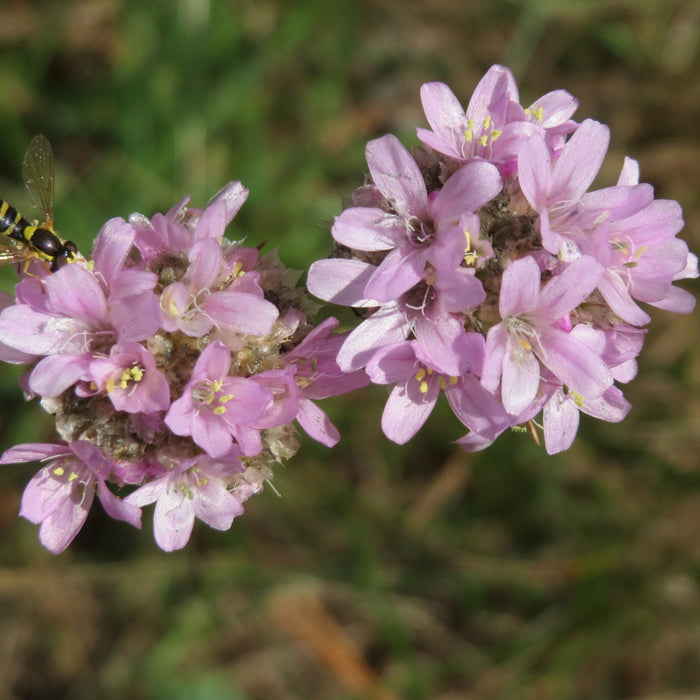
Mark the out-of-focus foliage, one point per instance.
(415, 572)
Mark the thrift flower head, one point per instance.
(174, 362)
(489, 230)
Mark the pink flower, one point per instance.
(494, 125)
(557, 192)
(172, 231)
(415, 221)
(546, 271)
(61, 493)
(418, 386)
(318, 376)
(531, 334)
(215, 408)
(168, 307)
(80, 312)
(642, 259)
(194, 488)
(421, 275)
(131, 380)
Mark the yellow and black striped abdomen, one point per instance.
(43, 243)
(13, 224)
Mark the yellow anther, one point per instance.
(454, 380)
(495, 134)
(468, 135)
(470, 256)
(423, 388)
(487, 122)
(59, 471)
(442, 383)
(420, 374)
(640, 251)
(225, 398)
(484, 140)
(525, 343)
(73, 476)
(536, 113)
(220, 410)
(133, 374)
(578, 399)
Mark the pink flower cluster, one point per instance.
(174, 362)
(486, 270)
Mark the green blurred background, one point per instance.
(413, 572)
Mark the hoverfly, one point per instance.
(33, 240)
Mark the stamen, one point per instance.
(577, 398)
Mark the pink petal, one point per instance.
(403, 417)
(521, 377)
(397, 175)
(534, 172)
(565, 291)
(339, 281)
(317, 424)
(216, 506)
(76, 293)
(56, 373)
(368, 228)
(397, 273)
(615, 292)
(112, 246)
(575, 365)
(32, 452)
(117, 508)
(173, 520)
(580, 161)
(492, 94)
(557, 106)
(472, 186)
(560, 419)
(206, 260)
(387, 325)
(221, 210)
(241, 312)
(442, 109)
(520, 287)
(392, 363)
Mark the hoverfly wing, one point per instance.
(10, 254)
(37, 170)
